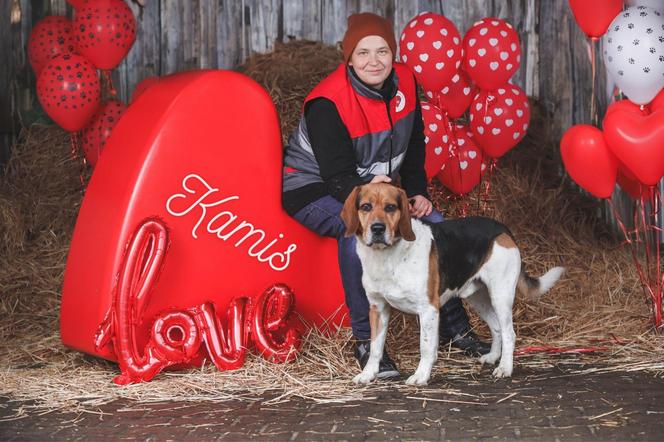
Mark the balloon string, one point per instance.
(109, 81)
(75, 145)
(594, 117)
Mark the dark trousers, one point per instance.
(323, 216)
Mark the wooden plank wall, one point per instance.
(175, 35)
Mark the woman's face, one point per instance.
(372, 60)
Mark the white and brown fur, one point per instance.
(412, 266)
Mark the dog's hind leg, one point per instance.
(481, 303)
(379, 317)
(428, 346)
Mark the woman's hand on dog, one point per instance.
(420, 206)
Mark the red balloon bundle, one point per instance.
(464, 167)
(436, 138)
(65, 57)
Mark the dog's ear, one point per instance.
(405, 227)
(349, 213)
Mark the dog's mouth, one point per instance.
(378, 242)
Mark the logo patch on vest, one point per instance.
(400, 101)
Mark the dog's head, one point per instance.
(378, 214)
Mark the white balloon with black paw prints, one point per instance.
(634, 52)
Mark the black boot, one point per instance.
(387, 369)
(455, 328)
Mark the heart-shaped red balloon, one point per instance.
(69, 91)
(464, 168)
(105, 30)
(499, 119)
(95, 134)
(201, 151)
(588, 160)
(51, 36)
(595, 16)
(436, 138)
(636, 139)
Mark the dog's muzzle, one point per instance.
(378, 236)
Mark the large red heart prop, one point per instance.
(588, 160)
(105, 31)
(201, 151)
(51, 37)
(637, 140)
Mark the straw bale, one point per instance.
(598, 302)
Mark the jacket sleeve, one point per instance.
(332, 147)
(413, 176)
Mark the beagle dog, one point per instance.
(417, 267)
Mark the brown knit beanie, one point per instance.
(364, 24)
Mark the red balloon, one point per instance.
(270, 333)
(229, 235)
(142, 86)
(69, 91)
(499, 119)
(95, 134)
(431, 47)
(595, 16)
(588, 160)
(50, 37)
(436, 138)
(637, 140)
(492, 52)
(464, 168)
(455, 97)
(105, 30)
(227, 349)
(629, 184)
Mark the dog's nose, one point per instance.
(378, 228)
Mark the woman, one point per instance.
(363, 124)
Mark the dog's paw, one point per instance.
(364, 378)
(489, 358)
(418, 379)
(502, 372)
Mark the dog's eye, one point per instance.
(366, 207)
(391, 208)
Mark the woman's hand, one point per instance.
(381, 179)
(420, 206)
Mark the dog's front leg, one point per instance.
(379, 316)
(428, 346)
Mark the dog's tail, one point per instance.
(535, 287)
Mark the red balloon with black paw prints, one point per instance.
(464, 168)
(96, 133)
(69, 91)
(436, 138)
(431, 47)
(76, 3)
(52, 36)
(499, 119)
(105, 30)
(492, 52)
(455, 97)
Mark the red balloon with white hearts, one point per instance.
(455, 97)
(431, 47)
(499, 119)
(436, 139)
(492, 52)
(464, 168)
